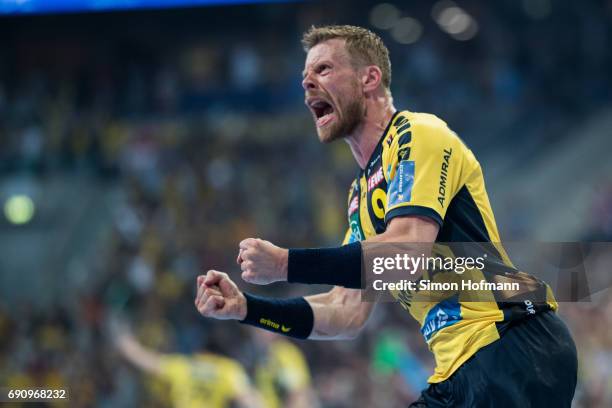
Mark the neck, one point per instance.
(363, 140)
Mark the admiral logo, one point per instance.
(375, 179)
(444, 175)
(353, 206)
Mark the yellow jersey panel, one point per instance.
(284, 370)
(420, 167)
(204, 380)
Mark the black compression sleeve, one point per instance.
(339, 266)
(290, 317)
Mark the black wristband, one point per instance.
(339, 266)
(290, 317)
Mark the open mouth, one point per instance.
(322, 111)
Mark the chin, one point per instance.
(326, 137)
(329, 134)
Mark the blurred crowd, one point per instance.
(202, 130)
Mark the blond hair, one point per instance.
(363, 46)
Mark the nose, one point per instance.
(308, 83)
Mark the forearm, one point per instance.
(330, 323)
(338, 314)
(289, 317)
(343, 266)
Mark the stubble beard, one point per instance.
(352, 115)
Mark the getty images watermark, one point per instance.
(489, 272)
(412, 264)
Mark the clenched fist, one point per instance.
(262, 262)
(219, 297)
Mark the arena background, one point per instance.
(138, 147)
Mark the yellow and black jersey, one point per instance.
(204, 380)
(282, 372)
(421, 167)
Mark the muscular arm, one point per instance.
(263, 262)
(338, 314)
(408, 229)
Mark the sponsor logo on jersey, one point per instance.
(444, 314)
(375, 179)
(401, 186)
(354, 205)
(444, 175)
(356, 234)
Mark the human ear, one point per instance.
(371, 78)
